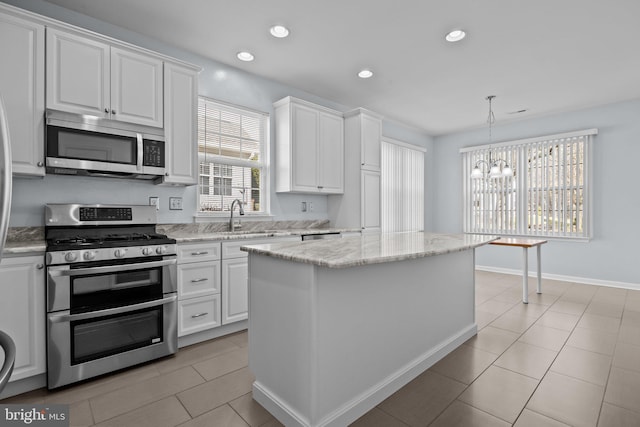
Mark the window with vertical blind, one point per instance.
(232, 147)
(547, 196)
(402, 186)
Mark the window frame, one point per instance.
(521, 188)
(222, 161)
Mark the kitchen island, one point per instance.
(336, 326)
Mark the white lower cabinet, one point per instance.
(22, 312)
(198, 314)
(198, 287)
(213, 283)
(235, 277)
(235, 289)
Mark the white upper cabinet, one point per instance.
(88, 76)
(22, 91)
(309, 148)
(180, 109)
(136, 88)
(371, 140)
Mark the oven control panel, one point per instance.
(105, 214)
(108, 254)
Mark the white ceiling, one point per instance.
(546, 56)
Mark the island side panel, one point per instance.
(280, 347)
(327, 345)
(378, 326)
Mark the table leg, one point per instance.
(525, 274)
(539, 290)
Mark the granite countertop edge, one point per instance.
(23, 247)
(287, 251)
(190, 237)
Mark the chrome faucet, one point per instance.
(232, 225)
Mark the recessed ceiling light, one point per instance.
(245, 56)
(455, 36)
(365, 74)
(279, 31)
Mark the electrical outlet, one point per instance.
(175, 203)
(304, 207)
(310, 206)
(155, 201)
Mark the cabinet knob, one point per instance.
(40, 164)
(166, 174)
(106, 110)
(113, 111)
(40, 266)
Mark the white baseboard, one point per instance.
(563, 278)
(360, 405)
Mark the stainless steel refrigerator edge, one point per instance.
(5, 195)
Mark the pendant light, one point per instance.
(495, 171)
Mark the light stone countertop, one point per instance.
(191, 237)
(32, 247)
(36, 246)
(370, 248)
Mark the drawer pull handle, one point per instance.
(199, 253)
(195, 316)
(203, 279)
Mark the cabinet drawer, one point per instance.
(198, 314)
(195, 252)
(232, 249)
(198, 278)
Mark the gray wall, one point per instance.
(612, 254)
(218, 81)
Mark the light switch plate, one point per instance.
(175, 203)
(155, 201)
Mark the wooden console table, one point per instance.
(525, 244)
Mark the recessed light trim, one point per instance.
(365, 74)
(455, 36)
(279, 31)
(245, 56)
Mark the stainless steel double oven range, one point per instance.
(111, 290)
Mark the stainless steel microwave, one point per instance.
(86, 145)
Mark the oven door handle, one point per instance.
(65, 317)
(53, 271)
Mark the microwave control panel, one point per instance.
(153, 153)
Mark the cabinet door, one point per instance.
(235, 290)
(198, 314)
(304, 134)
(181, 104)
(198, 279)
(136, 88)
(77, 74)
(370, 200)
(22, 312)
(371, 141)
(22, 90)
(331, 154)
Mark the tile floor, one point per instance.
(569, 357)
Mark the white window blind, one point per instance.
(402, 182)
(231, 152)
(548, 196)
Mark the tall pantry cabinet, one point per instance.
(359, 206)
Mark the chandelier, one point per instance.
(496, 168)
